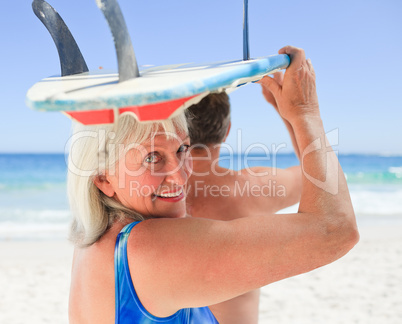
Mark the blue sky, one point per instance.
(354, 46)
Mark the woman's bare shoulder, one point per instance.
(92, 281)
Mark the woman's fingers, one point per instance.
(292, 93)
(266, 85)
(310, 67)
(297, 57)
(270, 84)
(278, 76)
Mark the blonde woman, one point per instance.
(139, 259)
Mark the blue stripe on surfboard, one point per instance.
(253, 68)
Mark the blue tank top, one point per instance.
(128, 306)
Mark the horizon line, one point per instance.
(382, 154)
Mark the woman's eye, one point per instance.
(153, 158)
(183, 149)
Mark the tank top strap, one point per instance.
(120, 260)
(128, 306)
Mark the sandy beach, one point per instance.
(365, 286)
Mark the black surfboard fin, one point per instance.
(128, 68)
(71, 59)
(246, 49)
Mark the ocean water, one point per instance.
(33, 199)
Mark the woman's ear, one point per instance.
(104, 185)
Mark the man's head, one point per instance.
(209, 120)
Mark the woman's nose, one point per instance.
(178, 172)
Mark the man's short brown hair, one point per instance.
(208, 121)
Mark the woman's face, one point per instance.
(150, 178)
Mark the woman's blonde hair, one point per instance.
(92, 148)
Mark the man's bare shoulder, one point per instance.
(233, 194)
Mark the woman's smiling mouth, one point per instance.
(171, 196)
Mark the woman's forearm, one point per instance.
(324, 188)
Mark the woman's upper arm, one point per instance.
(193, 262)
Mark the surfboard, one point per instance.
(159, 92)
(151, 94)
